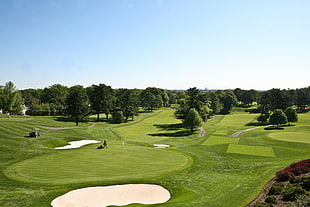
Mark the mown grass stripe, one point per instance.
(251, 150)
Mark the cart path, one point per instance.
(246, 130)
(202, 132)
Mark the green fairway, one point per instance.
(300, 137)
(251, 150)
(214, 140)
(212, 170)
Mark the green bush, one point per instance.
(270, 199)
(292, 191)
(294, 180)
(117, 117)
(263, 204)
(276, 189)
(306, 183)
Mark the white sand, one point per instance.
(118, 195)
(77, 144)
(161, 145)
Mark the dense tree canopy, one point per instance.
(278, 117)
(128, 102)
(102, 99)
(77, 103)
(61, 100)
(193, 119)
(291, 115)
(11, 99)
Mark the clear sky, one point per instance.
(170, 44)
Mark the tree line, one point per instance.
(122, 104)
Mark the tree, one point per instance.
(274, 99)
(128, 102)
(291, 115)
(151, 98)
(55, 95)
(193, 119)
(263, 117)
(278, 117)
(229, 100)
(77, 103)
(12, 99)
(101, 99)
(215, 103)
(117, 117)
(194, 99)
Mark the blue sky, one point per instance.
(170, 44)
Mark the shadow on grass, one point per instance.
(170, 126)
(273, 128)
(173, 127)
(174, 134)
(86, 120)
(256, 124)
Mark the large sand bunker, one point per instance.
(119, 195)
(77, 144)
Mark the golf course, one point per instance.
(213, 169)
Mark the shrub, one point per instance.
(294, 169)
(292, 191)
(306, 183)
(270, 199)
(295, 180)
(117, 117)
(263, 204)
(276, 189)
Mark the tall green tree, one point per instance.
(102, 99)
(128, 101)
(12, 99)
(229, 100)
(77, 103)
(151, 98)
(215, 104)
(55, 95)
(278, 117)
(291, 115)
(193, 119)
(274, 99)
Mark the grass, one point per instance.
(214, 170)
(251, 150)
(300, 137)
(215, 140)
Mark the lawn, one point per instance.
(213, 170)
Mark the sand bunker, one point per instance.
(119, 195)
(77, 144)
(161, 145)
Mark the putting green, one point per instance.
(89, 165)
(251, 150)
(299, 137)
